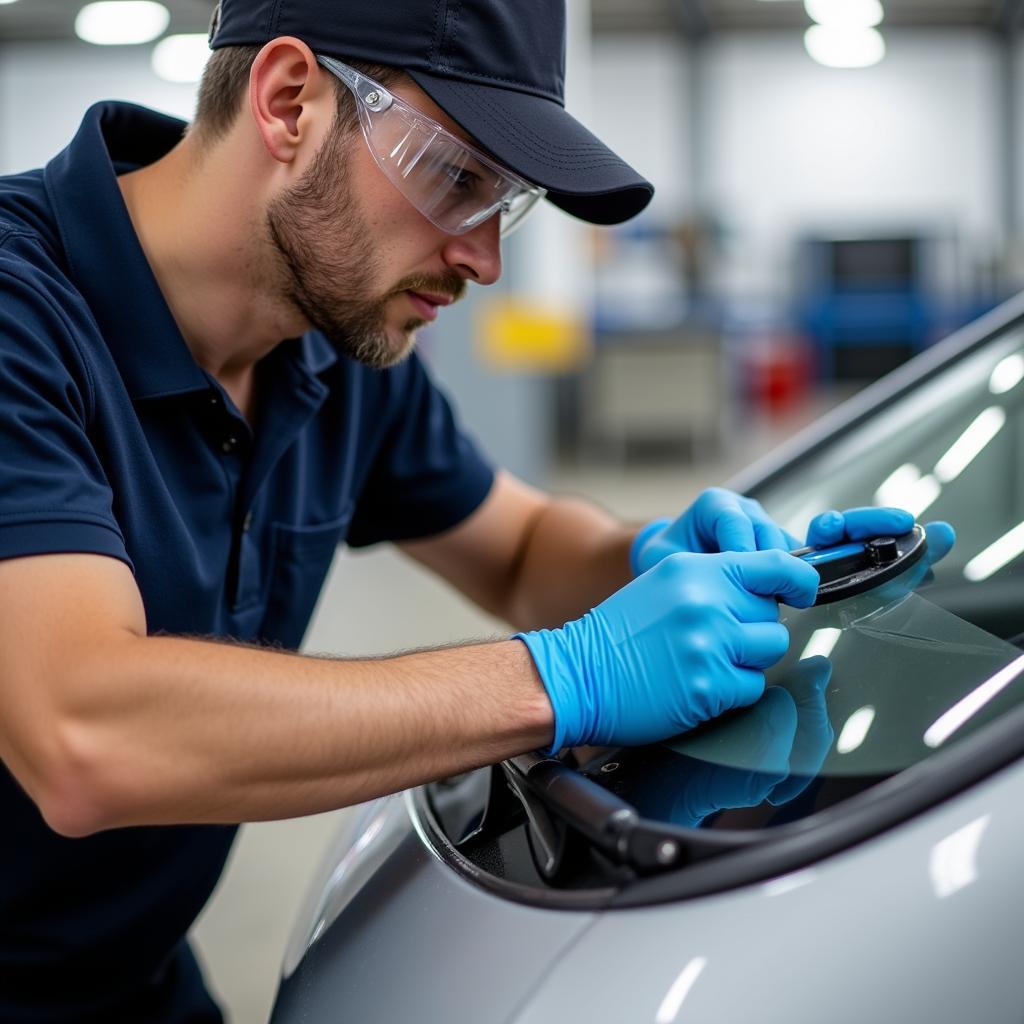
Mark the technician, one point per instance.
(207, 383)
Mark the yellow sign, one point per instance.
(516, 335)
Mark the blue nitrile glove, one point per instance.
(857, 524)
(721, 520)
(675, 647)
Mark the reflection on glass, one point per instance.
(670, 1006)
(997, 555)
(906, 488)
(954, 860)
(1007, 375)
(965, 709)
(822, 642)
(901, 658)
(970, 444)
(853, 734)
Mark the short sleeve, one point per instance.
(54, 496)
(428, 475)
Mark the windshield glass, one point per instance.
(878, 682)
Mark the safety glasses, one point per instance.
(454, 185)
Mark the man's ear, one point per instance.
(290, 99)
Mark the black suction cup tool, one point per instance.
(858, 566)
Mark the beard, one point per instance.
(327, 263)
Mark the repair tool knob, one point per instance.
(883, 550)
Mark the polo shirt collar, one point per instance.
(107, 261)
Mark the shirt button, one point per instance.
(229, 444)
(247, 521)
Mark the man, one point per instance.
(207, 384)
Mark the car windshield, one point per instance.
(880, 681)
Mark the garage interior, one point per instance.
(814, 227)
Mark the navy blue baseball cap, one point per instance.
(496, 67)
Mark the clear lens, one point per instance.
(452, 184)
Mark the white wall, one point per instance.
(46, 87)
(639, 108)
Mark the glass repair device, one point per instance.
(858, 566)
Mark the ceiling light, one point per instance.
(121, 22)
(181, 58)
(844, 47)
(845, 13)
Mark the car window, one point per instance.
(876, 683)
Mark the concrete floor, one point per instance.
(376, 602)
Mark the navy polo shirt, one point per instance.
(114, 441)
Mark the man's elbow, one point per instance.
(63, 760)
(67, 784)
(73, 798)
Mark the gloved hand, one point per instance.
(787, 735)
(721, 520)
(675, 647)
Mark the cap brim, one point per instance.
(540, 141)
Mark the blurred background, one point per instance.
(840, 183)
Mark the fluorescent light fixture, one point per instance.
(822, 642)
(855, 730)
(954, 860)
(2, 2)
(845, 13)
(970, 444)
(906, 488)
(966, 708)
(181, 58)
(844, 47)
(668, 1012)
(121, 22)
(1009, 372)
(999, 553)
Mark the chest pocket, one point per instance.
(300, 558)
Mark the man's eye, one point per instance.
(461, 179)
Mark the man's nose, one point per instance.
(476, 255)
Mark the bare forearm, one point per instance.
(176, 730)
(576, 555)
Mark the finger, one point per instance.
(814, 733)
(808, 681)
(941, 538)
(748, 687)
(760, 644)
(825, 529)
(769, 535)
(777, 574)
(733, 529)
(864, 523)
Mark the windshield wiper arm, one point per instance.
(605, 820)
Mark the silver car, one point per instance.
(846, 850)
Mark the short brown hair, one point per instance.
(226, 79)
